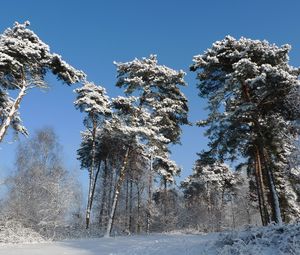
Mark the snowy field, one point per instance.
(133, 245)
(271, 240)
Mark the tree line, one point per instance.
(253, 122)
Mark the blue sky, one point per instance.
(92, 34)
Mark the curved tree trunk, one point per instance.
(6, 123)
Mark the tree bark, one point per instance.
(103, 207)
(126, 205)
(116, 195)
(92, 176)
(276, 212)
(139, 191)
(130, 205)
(6, 123)
(110, 193)
(149, 196)
(220, 210)
(261, 188)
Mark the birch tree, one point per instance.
(42, 192)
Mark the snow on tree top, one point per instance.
(22, 52)
(92, 99)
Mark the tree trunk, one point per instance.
(91, 174)
(138, 208)
(276, 213)
(263, 193)
(126, 206)
(116, 195)
(149, 197)
(12, 112)
(110, 193)
(88, 207)
(220, 210)
(93, 182)
(130, 206)
(165, 204)
(103, 207)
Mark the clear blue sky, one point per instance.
(91, 34)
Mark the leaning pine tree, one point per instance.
(253, 96)
(158, 92)
(24, 62)
(135, 128)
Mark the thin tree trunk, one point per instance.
(149, 196)
(90, 204)
(92, 187)
(210, 226)
(126, 206)
(166, 197)
(103, 207)
(111, 189)
(165, 204)
(88, 207)
(138, 208)
(91, 174)
(12, 112)
(116, 195)
(263, 189)
(273, 193)
(221, 208)
(130, 206)
(259, 190)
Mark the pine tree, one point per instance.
(24, 62)
(215, 185)
(132, 126)
(251, 90)
(92, 100)
(157, 88)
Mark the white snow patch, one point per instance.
(271, 240)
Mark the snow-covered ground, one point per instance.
(271, 240)
(158, 244)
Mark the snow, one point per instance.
(157, 244)
(271, 240)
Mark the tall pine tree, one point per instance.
(251, 91)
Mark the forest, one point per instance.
(249, 175)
